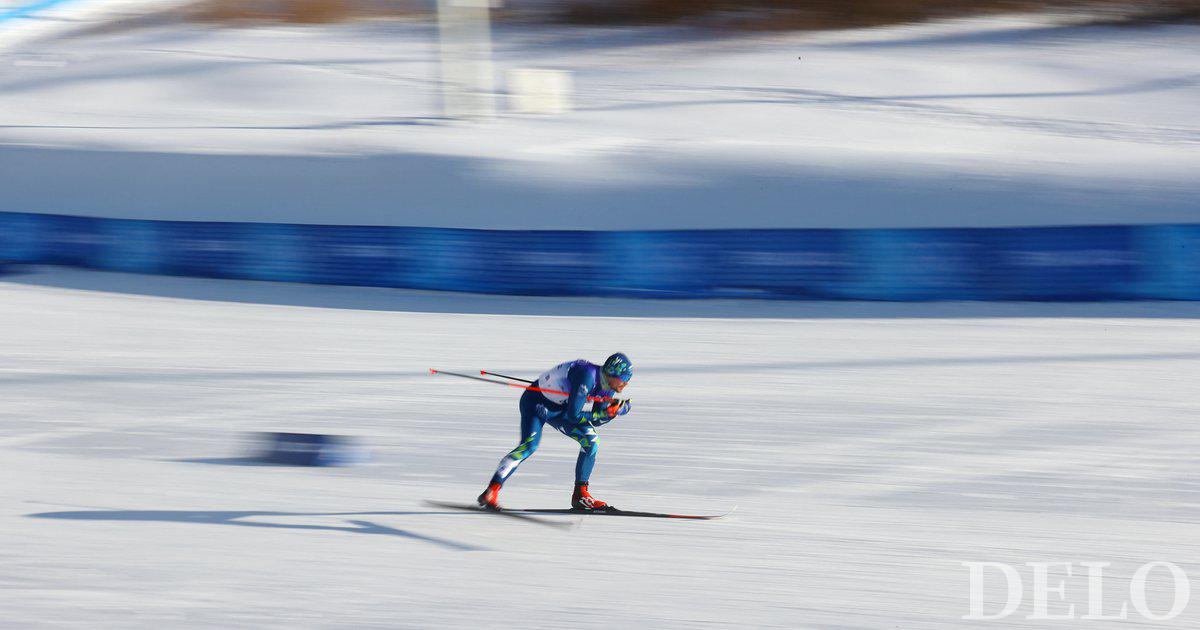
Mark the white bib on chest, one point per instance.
(556, 379)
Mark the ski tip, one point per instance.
(432, 371)
(706, 517)
(722, 515)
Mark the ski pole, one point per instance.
(523, 380)
(529, 387)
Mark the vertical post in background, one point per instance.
(465, 40)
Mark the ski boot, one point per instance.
(583, 501)
(490, 499)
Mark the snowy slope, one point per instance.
(870, 449)
(1015, 121)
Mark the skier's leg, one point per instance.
(531, 436)
(589, 445)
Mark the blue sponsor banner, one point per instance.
(1059, 263)
(1172, 253)
(481, 261)
(132, 246)
(914, 265)
(440, 260)
(351, 255)
(21, 237)
(276, 253)
(674, 264)
(68, 240)
(1064, 263)
(780, 264)
(209, 250)
(537, 263)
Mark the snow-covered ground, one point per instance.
(1014, 121)
(870, 449)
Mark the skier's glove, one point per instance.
(617, 408)
(602, 414)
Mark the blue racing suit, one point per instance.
(577, 380)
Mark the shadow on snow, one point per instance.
(217, 517)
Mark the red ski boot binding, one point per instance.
(490, 499)
(583, 501)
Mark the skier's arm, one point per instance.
(582, 381)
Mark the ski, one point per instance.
(615, 512)
(471, 507)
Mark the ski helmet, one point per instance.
(619, 365)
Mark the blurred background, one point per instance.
(616, 122)
(762, 14)
(909, 283)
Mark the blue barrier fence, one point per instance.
(1054, 263)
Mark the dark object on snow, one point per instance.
(312, 449)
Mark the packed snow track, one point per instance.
(870, 449)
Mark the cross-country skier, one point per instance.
(579, 380)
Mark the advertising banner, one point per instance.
(1056, 263)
